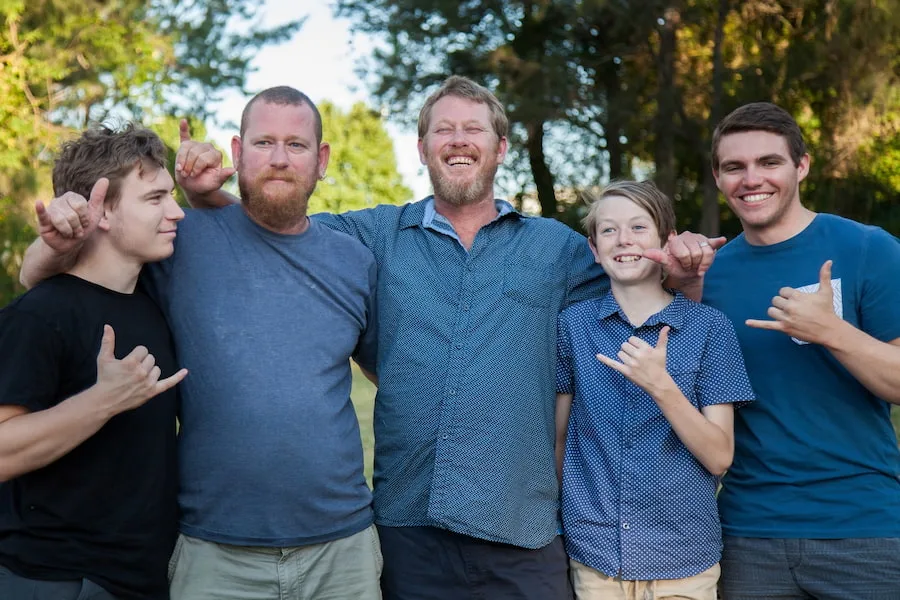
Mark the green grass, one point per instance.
(363, 396)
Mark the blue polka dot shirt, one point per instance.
(464, 414)
(635, 501)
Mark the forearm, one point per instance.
(875, 364)
(706, 440)
(215, 199)
(41, 261)
(563, 410)
(691, 289)
(34, 440)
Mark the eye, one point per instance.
(639, 227)
(262, 143)
(474, 130)
(606, 230)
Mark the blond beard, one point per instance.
(459, 193)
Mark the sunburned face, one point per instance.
(279, 162)
(143, 224)
(624, 230)
(761, 184)
(462, 151)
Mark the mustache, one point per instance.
(277, 174)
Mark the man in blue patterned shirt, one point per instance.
(466, 496)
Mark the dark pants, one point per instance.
(805, 569)
(426, 563)
(14, 587)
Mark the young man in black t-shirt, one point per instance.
(88, 505)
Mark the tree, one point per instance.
(362, 171)
(67, 63)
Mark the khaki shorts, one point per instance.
(591, 584)
(341, 569)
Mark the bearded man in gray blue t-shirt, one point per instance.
(266, 307)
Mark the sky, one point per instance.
(319, 61)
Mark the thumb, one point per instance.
(663, 340)
(184, 131)
(716, 243)
(825, 277)
(657, 255)
(107, 344)
(225, 173)
(98, 195)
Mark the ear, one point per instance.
(324, 155)
(236, 150)
(502, 147)
(422, 158)
(594, 250)
(103, 224)
(803, 168)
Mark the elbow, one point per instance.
(720, 464)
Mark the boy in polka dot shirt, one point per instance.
(646, 385)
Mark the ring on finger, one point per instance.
(704, 244)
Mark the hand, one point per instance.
(686, 256)
(809, 317)
(198, 165)
(130, 382)
(642, 364)
(70, 219)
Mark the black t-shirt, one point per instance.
(107, 510)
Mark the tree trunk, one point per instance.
(543, 178)
(666, 107)
(612, 129)
(709, 224)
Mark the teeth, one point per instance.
(628, 258)
(755, 197)
(459, 160)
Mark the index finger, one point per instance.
(760, 324)
(184, 131)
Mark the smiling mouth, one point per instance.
(465, 161)
(754, 198)
(629, 258)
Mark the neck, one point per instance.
(479, 213)
(295, 226)
(640, 300)
(789, 226)
(107, 268)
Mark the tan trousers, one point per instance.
(339, 570)
(591, 584)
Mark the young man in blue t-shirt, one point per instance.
(810, 506)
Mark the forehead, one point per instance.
(149, 176)
(748, 145)
(266, 119)
(619, 208)
(458, 110)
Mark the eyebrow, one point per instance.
(157, 192)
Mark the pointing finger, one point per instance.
(184, 131)
(611, 363)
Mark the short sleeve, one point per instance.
(586, 279)
(361, 224)
(723, 376)
(879, 303)
(565, 372)
(366, 353)
(32, 354)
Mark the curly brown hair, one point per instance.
(102, 151)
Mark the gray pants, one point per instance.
(344, 569)
(14, 587)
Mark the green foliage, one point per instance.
(596, 88)
(362, 171)
(65, 64)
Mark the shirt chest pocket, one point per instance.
(528, 282)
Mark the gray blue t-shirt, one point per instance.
(270, 451)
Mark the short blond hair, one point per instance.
(643, 193)
(463, 87)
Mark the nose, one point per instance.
(625, 236)
(752, 177)
(173, 211)
(459, 137)
(278, 157)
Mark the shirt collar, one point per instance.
(423, 213)
(672, 314)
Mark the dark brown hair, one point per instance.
(761, 116)
(104, 152)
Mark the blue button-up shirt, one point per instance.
(635, 502)
(464, 415)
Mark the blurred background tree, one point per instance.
(599, 89)
(67, 63)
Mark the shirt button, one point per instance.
(625, 526)
(458, 346)
(465, 307)
(452, 391)
(444, 437)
